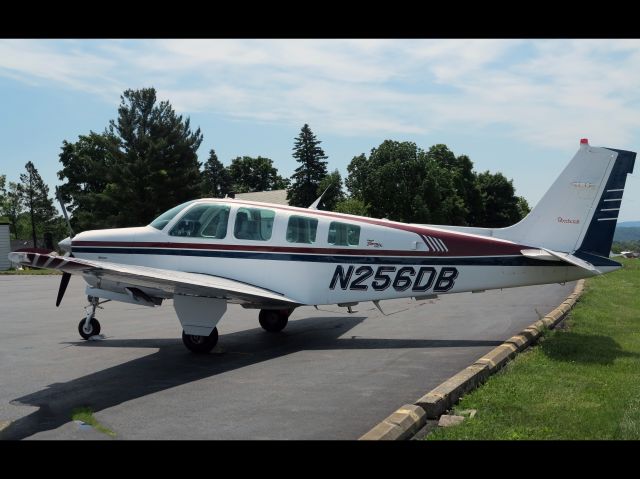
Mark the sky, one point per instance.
(518, 107)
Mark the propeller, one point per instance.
(64, 282)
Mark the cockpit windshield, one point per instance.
(162, 220)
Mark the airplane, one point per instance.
(208, 252)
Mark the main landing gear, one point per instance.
(200, 344)
(274, 320)
(89, 325)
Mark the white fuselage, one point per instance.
(390, 260)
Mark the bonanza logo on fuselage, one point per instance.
(419, 279)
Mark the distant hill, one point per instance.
(629, 224)
(627, 233)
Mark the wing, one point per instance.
(168, 281)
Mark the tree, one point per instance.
(254, 174)
(91, 167)
(332, 183)
(3, 196)
(13, 209)
(352, 206)
(498, 196)
(420, 188)
(523, 207)
(312, 170)
(34, 194)
(159, 166)
(143, 164)
(464, 180)
(216, 179)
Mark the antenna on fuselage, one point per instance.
(314, 205)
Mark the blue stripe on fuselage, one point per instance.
(313, 258)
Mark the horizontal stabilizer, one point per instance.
(544, 254)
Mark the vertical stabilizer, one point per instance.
(580, 210)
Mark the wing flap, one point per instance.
(169, 281)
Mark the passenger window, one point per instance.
(203, 221)
(343, 234)
(301, 229)
(254, 224)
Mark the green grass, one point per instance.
(582, 382)
(30, 272)
(85, 415)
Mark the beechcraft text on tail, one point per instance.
(209, 252)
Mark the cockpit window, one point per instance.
(203, 221)
(161, 221)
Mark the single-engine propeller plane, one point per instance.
(206, 253)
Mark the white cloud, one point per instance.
(541, 91)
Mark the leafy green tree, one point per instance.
(357, 175)
(3, 197)
(462, 178)
(620, 246)
(254, 174)
(401, 182)
(312, 170)
(501, 203)
(91, 168)
(11, 206)
(352, 206)
(523, 207)
(143, 164)
(13, 209)
(34, 194)
(216, 179)
(332, 183)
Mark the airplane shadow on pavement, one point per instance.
(172, 365)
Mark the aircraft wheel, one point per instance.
(273, 321)
(200, 344)
(92, 330)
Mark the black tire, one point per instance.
(200, 344)
(95, 328)
(273, 321)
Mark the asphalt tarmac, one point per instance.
(328, 375)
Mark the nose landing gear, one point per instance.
(89, 325)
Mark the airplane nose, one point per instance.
(65, 244)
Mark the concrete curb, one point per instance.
(410, 418)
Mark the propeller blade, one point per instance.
(64, 282)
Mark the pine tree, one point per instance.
(216, 181)
(312, 170)
(143, 164)
(159, 166)
(34, 194)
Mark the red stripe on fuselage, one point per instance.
(456, 248)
